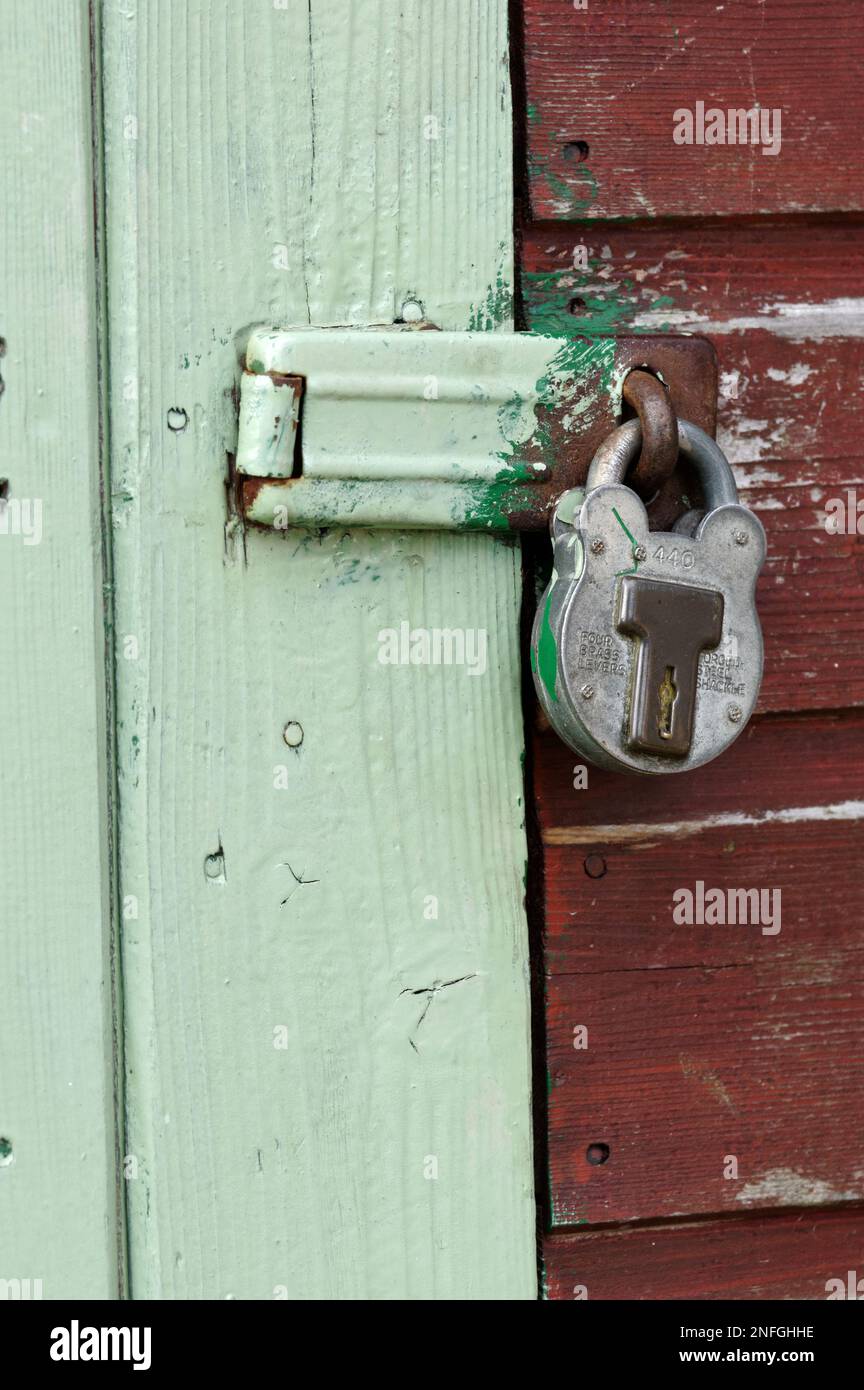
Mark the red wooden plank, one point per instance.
(785, 761)
(604, 83)
(780, 1257)
(706, 1041)
(609, 903)
(614, 852)
(782, 303)
(810, 594)
(688, 1070)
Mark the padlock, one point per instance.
(646, 648)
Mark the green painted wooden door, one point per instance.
(234, 1065)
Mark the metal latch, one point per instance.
(426, 429)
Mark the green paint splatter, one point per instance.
(549, 302)
(575, 361)
(356, 571)
(547, 652)
(633, 541)
(496, 307)
(510, 415)
(571, 205)
(490, 503)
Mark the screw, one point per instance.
(741, 538)
(587, 692)
(640, 553)
(412, 311)
(734, 713)
(598, 546)
(293, 734)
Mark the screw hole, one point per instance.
(577, 306)
(595, 866)
(178, 419)
(577, 150)
(597, 1154)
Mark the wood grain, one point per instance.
(811, 762)
(59, 1204)
(706, 1041)
(691, 1064)
(328, 1089)
(623, 917)
(810, 595)
(604, 83)
(791, 1256)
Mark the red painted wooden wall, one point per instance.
(712, 1044)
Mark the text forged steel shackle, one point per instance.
(646, 648)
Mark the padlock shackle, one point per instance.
(615, 455)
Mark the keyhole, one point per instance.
(666, 696)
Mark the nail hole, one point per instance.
(178, 419)
(4, 489)
(293, 734)
(595, 866)
(214, 865)
(577, 306)
(577, 150)
(597, 1154)
(5, 1152)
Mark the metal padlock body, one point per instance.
(585, 666)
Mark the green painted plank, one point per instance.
(59, 1219)
(328, 1083)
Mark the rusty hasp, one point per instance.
(464, 431)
